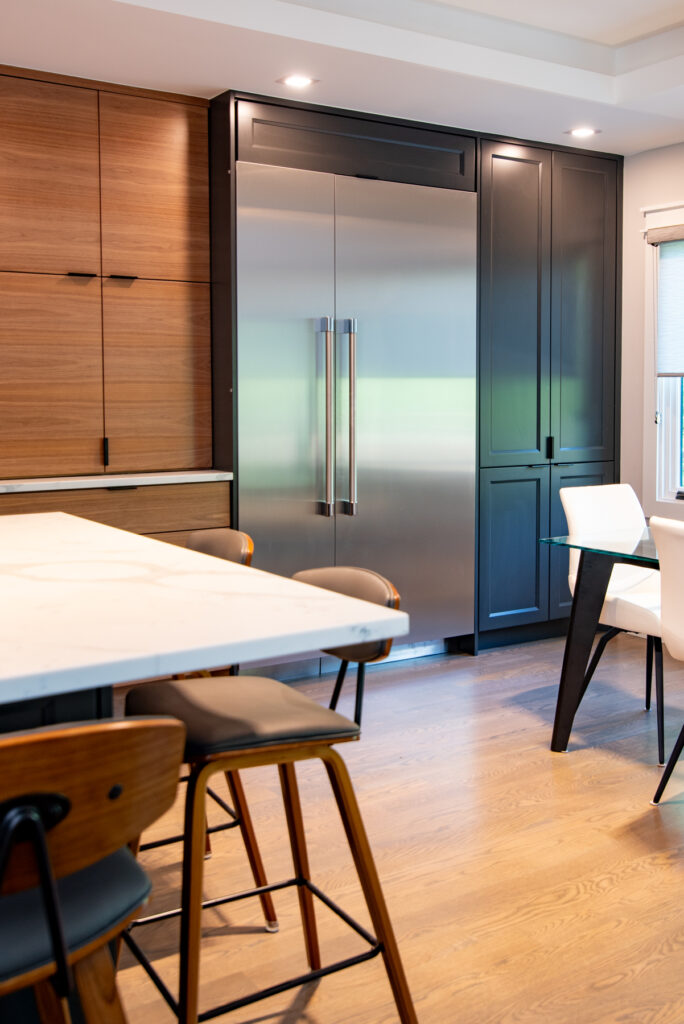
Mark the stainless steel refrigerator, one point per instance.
(356, 354)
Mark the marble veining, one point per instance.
(88, 605)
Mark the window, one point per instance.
(670, 369)
(663, 424)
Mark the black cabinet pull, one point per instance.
(549, 447)
(79, 273)
(122, 277)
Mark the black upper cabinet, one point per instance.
(338, 143)
(583, 262)
(515, 257)
(547, 315)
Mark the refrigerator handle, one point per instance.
(350, 507)
(327, 507)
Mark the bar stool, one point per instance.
(234, 546)
(366, 585)
(72, 797)
(238, 722)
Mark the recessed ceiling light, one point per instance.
(296, 81)
(583, 133)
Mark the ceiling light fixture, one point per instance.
(583, 133)
(297, 81)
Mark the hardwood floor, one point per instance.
(525, 887)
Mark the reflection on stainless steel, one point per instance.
(401, 259)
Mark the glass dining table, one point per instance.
(599, 552)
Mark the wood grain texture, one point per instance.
(157, 370)
(51, 381)
(155, 189)
(49, 178)
(137, 759)
(92, 83)
(524, 887)
(159, 509)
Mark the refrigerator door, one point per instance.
(406, 281)
(285, 287)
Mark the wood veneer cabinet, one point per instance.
(162, 510)
(51, 381)
(155, 188)
(49, 178)
(157, 374)
(93, 363)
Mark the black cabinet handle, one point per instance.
(122, 277)
(549, 447)
(79, 273)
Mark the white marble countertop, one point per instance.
(87, 605)
(114, 480)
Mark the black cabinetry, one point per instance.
(547, 365)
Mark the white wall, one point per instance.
(653, 177)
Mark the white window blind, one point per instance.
(670, 340)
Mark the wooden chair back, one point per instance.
(117, 776)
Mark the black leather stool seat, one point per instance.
(92, 901)
(224, 713)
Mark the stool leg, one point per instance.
(295, 826)
(191, 895)
(338, 685)
(96, 985)
(52, 1009)
(360, 680)
(239, 800)
(370, 883)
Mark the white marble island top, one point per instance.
(86, 605)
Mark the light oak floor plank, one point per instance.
(525, 887)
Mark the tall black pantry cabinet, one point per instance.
(548, 264)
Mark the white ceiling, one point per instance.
(615, 64)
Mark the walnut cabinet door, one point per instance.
(51, 380)
(157, 375)
(155, 188)
(49, 178)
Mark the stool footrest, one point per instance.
(302, 979)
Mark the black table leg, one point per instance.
(593, 575)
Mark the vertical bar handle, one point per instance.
(350, 507)
(327, 506)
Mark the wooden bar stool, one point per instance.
(238, 722)
(233, 546)
(367, 585)
(71, 798)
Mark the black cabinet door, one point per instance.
(577, 475)
(514, 566)
(515, 248)
(583, 307)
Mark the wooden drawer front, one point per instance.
(51, 380)
(155, 188)
(49, 178)
(157, 375)
(157, 509)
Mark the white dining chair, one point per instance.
(632, 602)
(669, 540)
